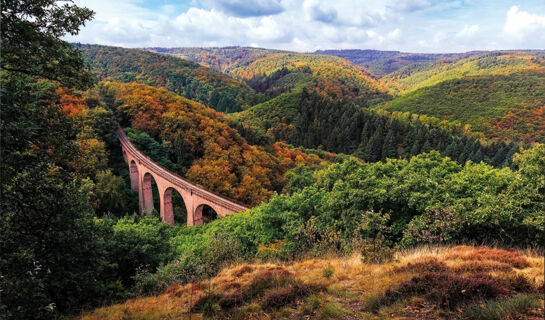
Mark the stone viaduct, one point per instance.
(195, 197)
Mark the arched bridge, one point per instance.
(195, 197)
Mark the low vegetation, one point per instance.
(356, 290)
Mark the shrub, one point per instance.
(517, 283)
(448, 290)
(231, 300)
(511, 256)
(376, 251)
(207, 304)
(328, 272)
(280, 297)
(505, 308)
(427, 264)
(481, 266)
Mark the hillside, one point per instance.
(423, 283)
(336, 77)
(201, 143)
(504, 106)
(222, 59)
(308, 119)
(499, 94)
(180, 76)
(381, 63)
(504, 63)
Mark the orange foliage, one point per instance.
(522, 123)
(71, 104)
(222, 160)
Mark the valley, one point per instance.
(239, 182)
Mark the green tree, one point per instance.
(51, 256)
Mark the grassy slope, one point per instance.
(355, 290)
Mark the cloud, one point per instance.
(407, 6)
(247, 8)
(522, 27)
(316, 12)
(406, 25)
(468, 31)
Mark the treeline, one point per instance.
(314, 121)
(180, 76)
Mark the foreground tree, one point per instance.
(50, 250)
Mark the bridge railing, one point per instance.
(176, 179)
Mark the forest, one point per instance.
(370, 196)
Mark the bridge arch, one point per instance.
(174, 207)
(148, 192)
(133, 174)
(204, 213)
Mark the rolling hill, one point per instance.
(222, 59)
(501, 94)
(180, 76)
(381, 63)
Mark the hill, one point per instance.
(281, 72)
(180, 76)
(306, 118)
(381, 63)
(499, 94)
(418, 76)
(201, 143)
(422, 283)
(222, 59)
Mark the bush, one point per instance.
(328, 272)
(448, 290)
(276, 298)
(375, 251)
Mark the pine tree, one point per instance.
(389, 148)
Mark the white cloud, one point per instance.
(523, 28)
(408, 25)
(468, 31)
(247, 8)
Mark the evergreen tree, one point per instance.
(389, 148)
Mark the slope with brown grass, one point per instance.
(461, 282)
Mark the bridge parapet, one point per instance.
(142, 168)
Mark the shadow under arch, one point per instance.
(150, 193)
(205, 213)
(133, 172)
(174, 207)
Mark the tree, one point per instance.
(31, 44)
(50, 252)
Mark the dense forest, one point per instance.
(328, 172)
(308, 119)
(179, 76)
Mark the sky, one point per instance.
(309, 25)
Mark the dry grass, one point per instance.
(353, 291)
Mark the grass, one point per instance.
(494, 282)
(505, 308)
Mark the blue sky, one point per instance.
(404, 25)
